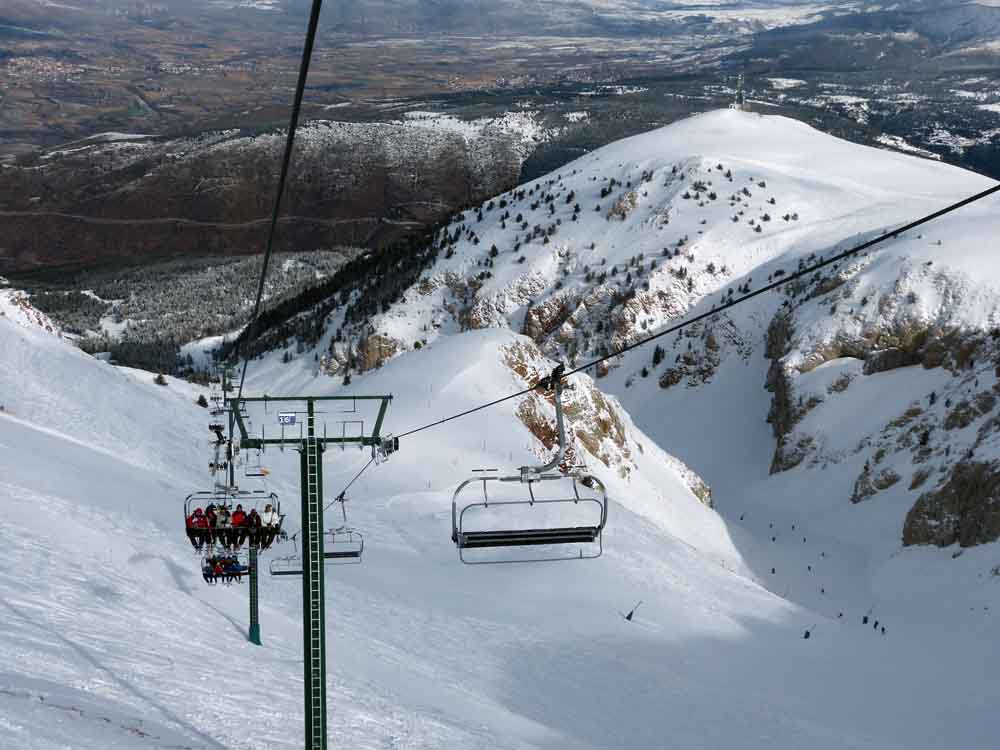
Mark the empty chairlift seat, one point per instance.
(286, 566)
(344, 545)
(519, 515)
(482, 523)
(341, 546)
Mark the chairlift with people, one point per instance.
(225, 567)
(209, 538)
(511, 520)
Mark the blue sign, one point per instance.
(286, 418)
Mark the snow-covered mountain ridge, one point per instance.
(637, 234)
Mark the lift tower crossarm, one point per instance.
(250, 442)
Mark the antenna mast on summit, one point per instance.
(740, 100)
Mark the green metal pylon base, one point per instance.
(254, 635)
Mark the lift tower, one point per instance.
(311, 443)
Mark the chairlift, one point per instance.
(229, 498)
(585, 493)
(344, 546)
(286, 566)
(253, 467)
(224, 567)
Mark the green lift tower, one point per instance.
(311, 444)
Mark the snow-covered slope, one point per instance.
(110, 639)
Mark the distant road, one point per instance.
(196, 223)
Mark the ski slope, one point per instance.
(109, 637)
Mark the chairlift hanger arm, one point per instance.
(238, 416)
(553, 381)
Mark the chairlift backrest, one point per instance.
(230, 498)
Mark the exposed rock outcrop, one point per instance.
(623, 206)
(375, 350)
(545, 318)
(870, 483)
(890, 359)
(965, 509)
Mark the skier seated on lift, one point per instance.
(212, 570)
(271, 522)
(233, 570)
(210, 535)
(197, 528)
(238, 535)
(252, 527)
(223, 526)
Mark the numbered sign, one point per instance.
(286, 418)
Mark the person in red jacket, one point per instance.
(239, 524)
(197, 526)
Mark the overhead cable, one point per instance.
(805, 271)
(285, 162)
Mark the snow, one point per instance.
(941, 136)
(16, 305)
(109, 638)
(112, 137)
(963, 94)
(901, 144)
(785, 83)
(614, 91)
(990, 107)
(524, 125)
